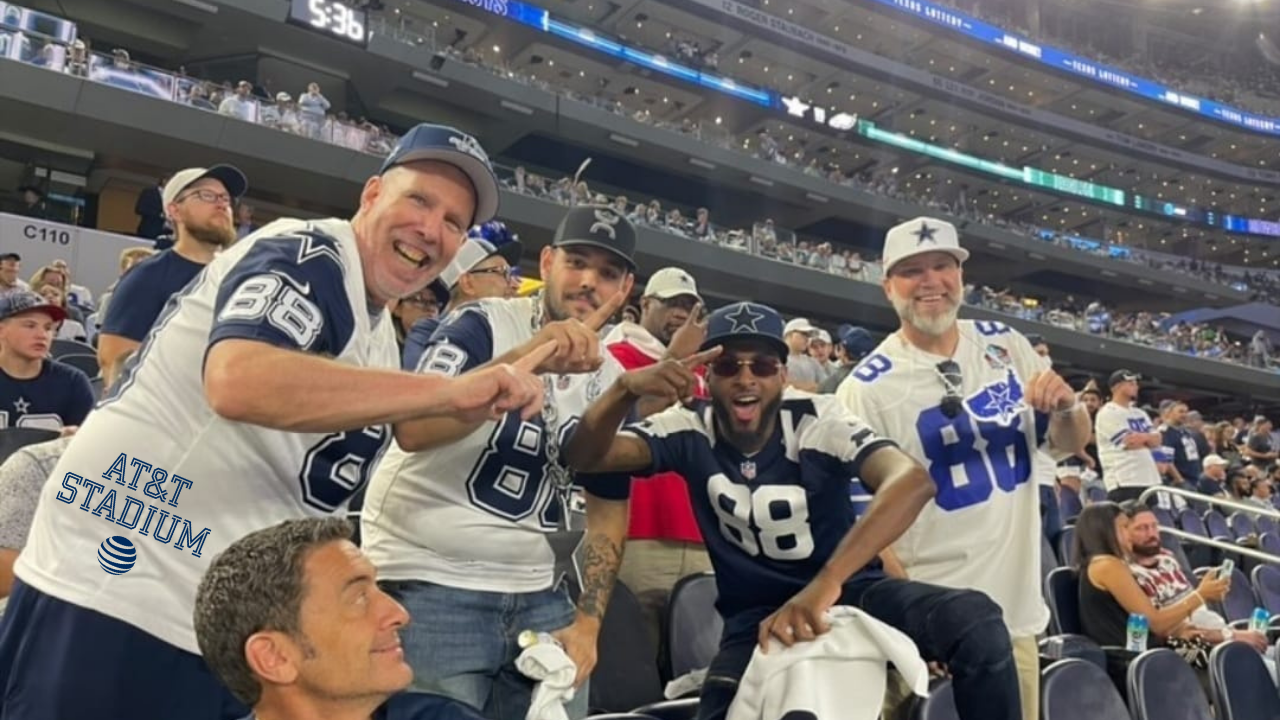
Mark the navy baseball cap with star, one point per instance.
(746, 321)
(452, 146)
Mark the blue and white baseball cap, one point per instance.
(452, 146)
(483, 242)
(919, 236)
(746, 321)
(24, 301)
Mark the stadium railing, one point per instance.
(1184, 536)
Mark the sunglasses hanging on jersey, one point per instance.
(761, 367)
(953, 381)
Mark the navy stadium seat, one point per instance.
(1164, 518)
(693, 626)
(939, 705)
(1073, 689)
(1241, 525)
(1066, 545)
(1269, 542)
(1095, 494)
(15, 438)
(1241, 685)
(85, 363)
(1062, 591)
(627, 673)
(1174, 546)
(63, 347)
(1077, 647)
(1216, 525)
(1266, 523)
(1162, 686)
(1266, 584)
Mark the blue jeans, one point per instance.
(961, 628)
(462, 643)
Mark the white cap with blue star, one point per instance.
(919, 236)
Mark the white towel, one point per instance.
(841, 674)
(687, 685)
(547, 664)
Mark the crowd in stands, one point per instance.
(883, 182)
(1245, 82)
(309, 117)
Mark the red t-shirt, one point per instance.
(660, 507)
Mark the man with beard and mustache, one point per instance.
(268, 390)
(1158, 573)
(663, 542)
(975, 403)
(464, 517)
(198, 202)
(768, 469)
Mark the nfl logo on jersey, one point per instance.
(748, 469)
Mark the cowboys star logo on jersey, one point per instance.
(999, 401)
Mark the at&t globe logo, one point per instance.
(117, 555)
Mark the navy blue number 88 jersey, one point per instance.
(771, 520)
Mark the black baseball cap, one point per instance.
(598, 226)
(1035, 339)
(450, 145)
(1123, 376)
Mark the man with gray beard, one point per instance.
(198, 202)
(969, 400)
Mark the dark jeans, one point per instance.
(961, 628)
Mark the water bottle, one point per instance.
(1136, 633)
(1260, 620)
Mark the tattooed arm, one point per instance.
(606, 533)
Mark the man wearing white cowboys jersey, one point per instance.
(267, 389)
(458, 516)
(973, 402)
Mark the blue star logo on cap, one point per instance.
(744, 319)
(925, 234)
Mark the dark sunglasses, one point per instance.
(953, 382)
(761, 367)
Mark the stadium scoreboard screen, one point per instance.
(334, 18)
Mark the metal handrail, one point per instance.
(1201, 540)
(1209, 499)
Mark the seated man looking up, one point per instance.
(291, 620)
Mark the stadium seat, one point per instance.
(1174, 546)
(1163, 686)
(70, 347)
(1062, 591)
(627, 673)
(16, 438)
(1066, 543)
(1164, 518)
(1269, 542)
(1241, 525)
(1095, 494)
(1075, 647)
(1069, 504)
(1048, 559)
(1241, 685)
(683, 709)
(1216, 525)
(1265, 523)
(939, 705)
(1240, 600)
(86, 363)
(1190, 522)
(1062, 695)
(693, 626)
(1266, 584)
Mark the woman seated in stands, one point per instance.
(1109, 593)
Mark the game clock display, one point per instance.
(341, 20)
